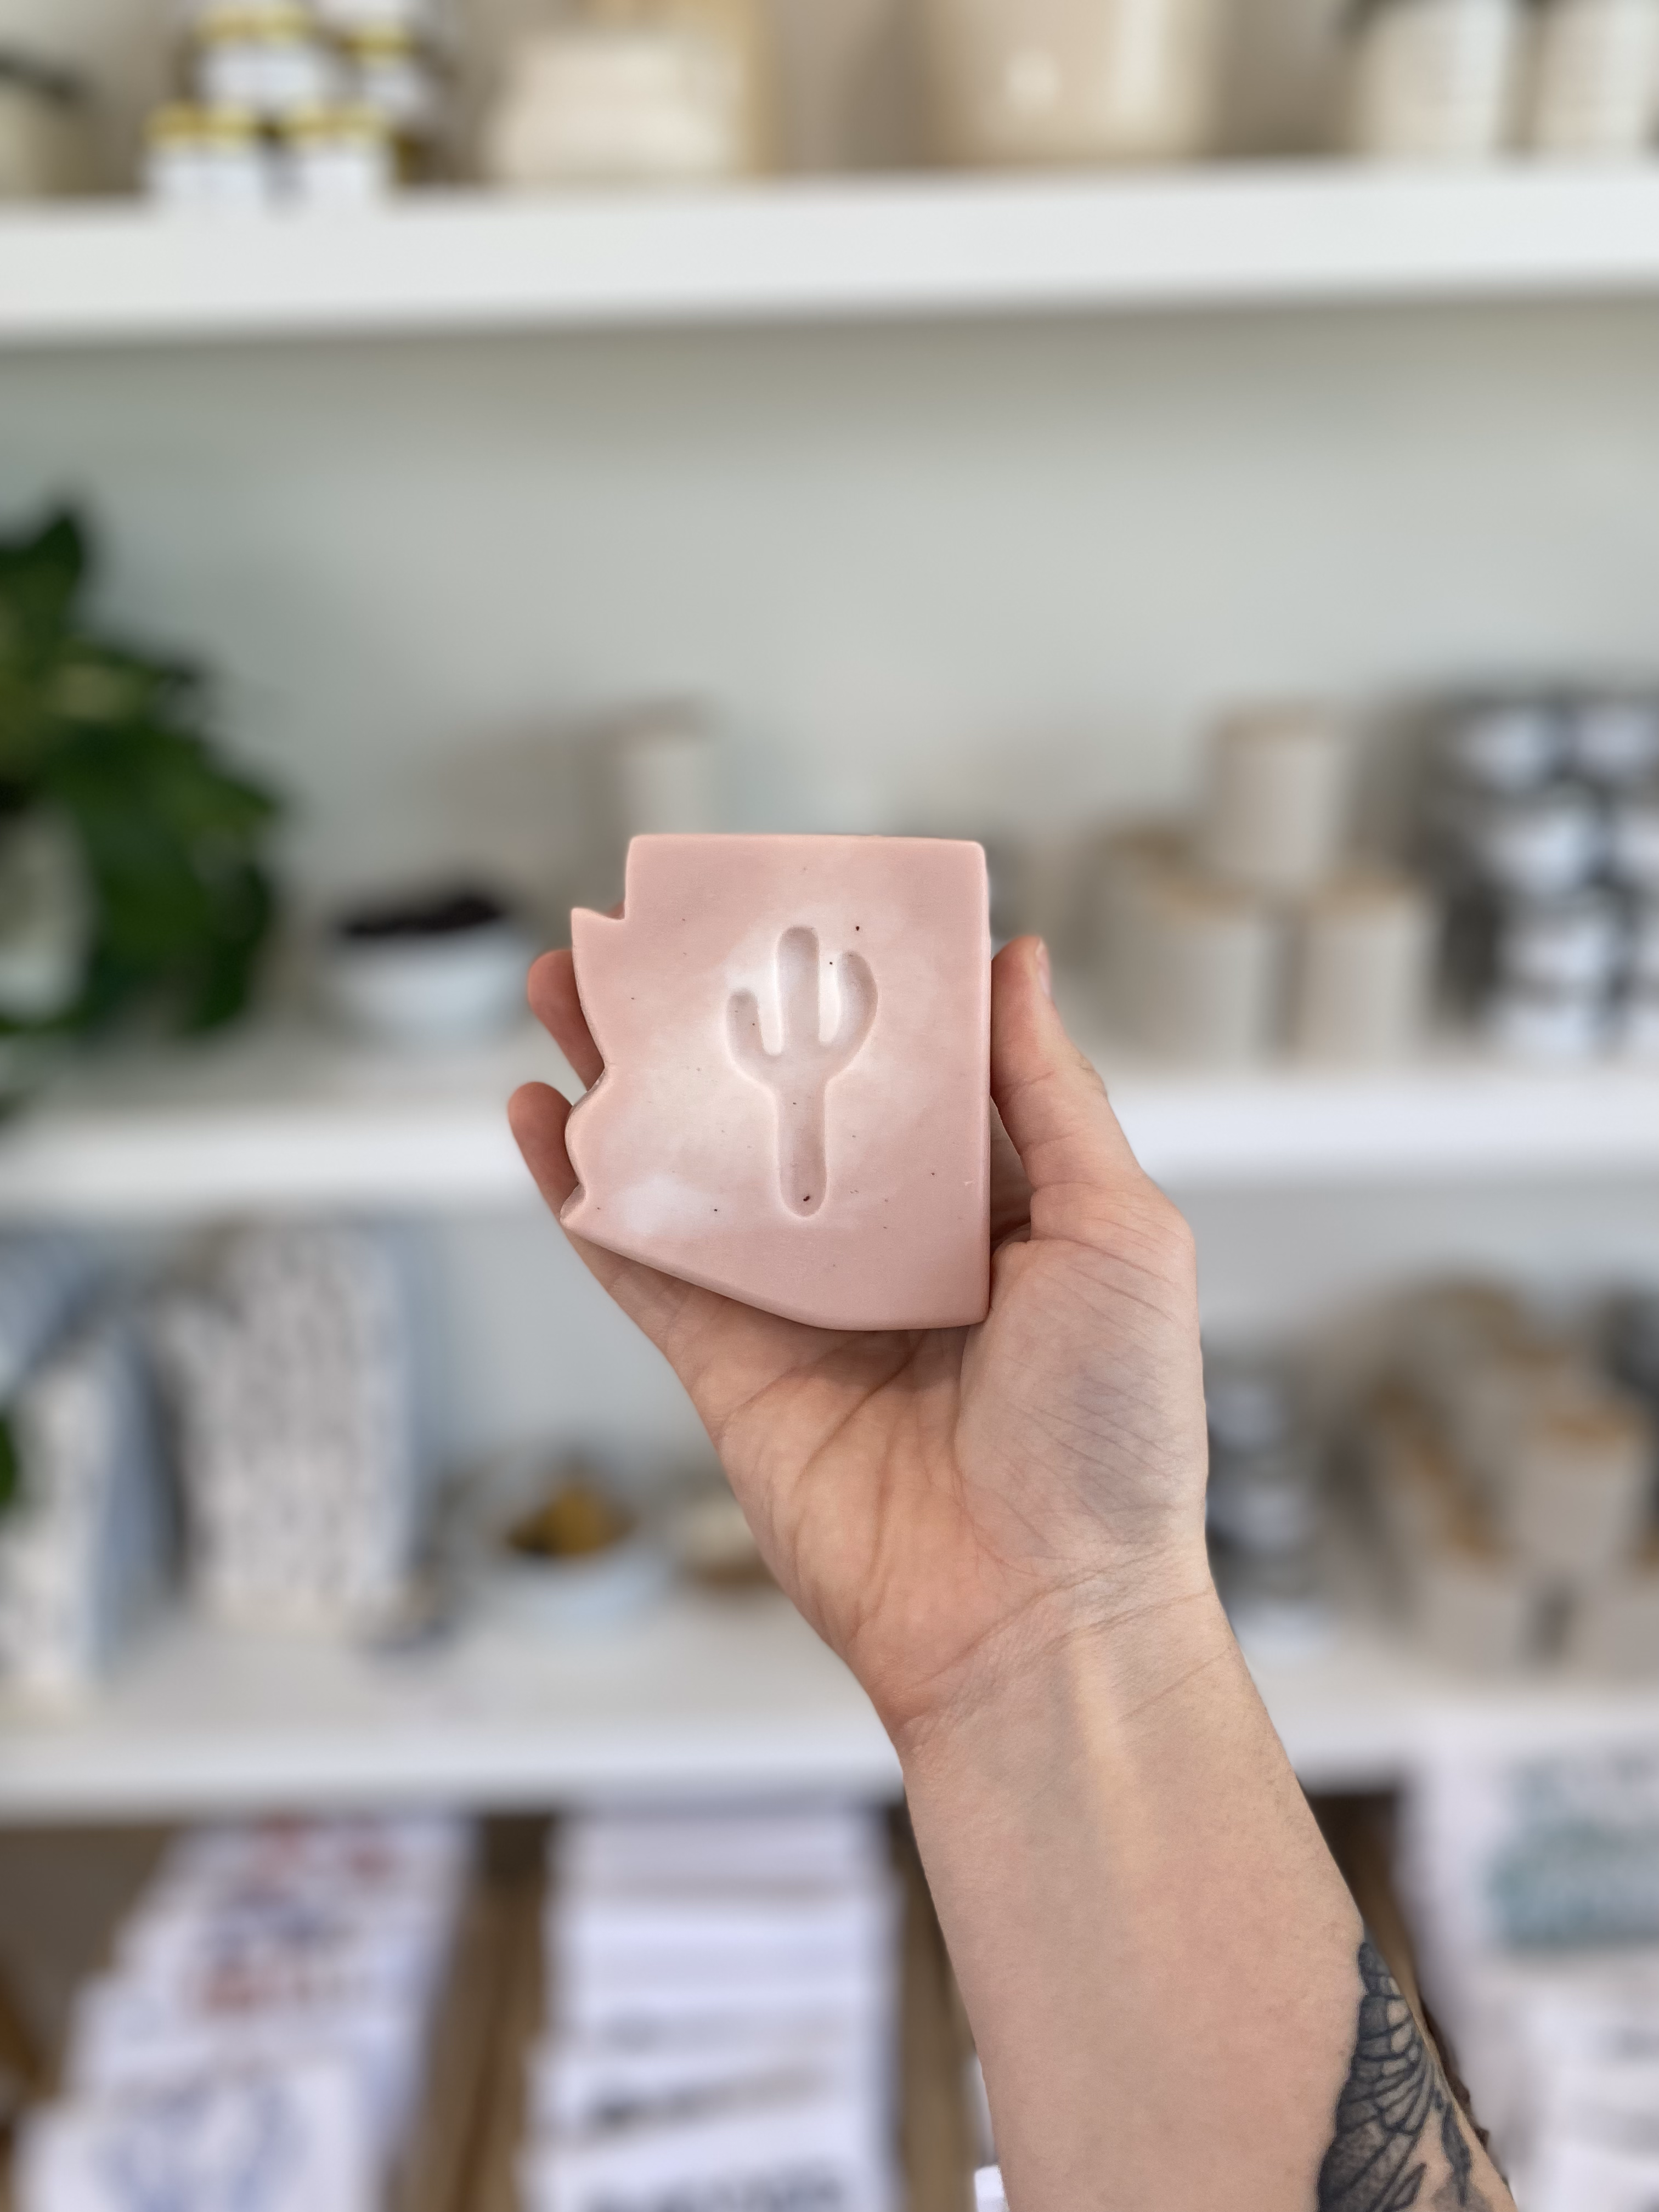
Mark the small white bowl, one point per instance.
(599, 1591)
(429, 994)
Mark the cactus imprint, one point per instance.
(798, 1075)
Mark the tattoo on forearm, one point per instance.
(1393, 2114)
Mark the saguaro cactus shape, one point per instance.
(800, 1074)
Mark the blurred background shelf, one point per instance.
(709, 1696)
(273, 1119)
(287, 1118)
(452, 262)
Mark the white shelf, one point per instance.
(272, 1119)
(1210, 237)
(722, 1696)
(284, 1119)
(710, 1695)
(1457, 1114)
(1362, 1715)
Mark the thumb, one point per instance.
(1053, 1103)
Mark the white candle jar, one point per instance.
(1133, 863)
(1365, 967)
(208, 159)
(1432, 80)
(1214, 956)
(1574, 1499)
(339, 158)
(1593, 84)
(1274, 815)
(271, 70)
(1060, 82)
(590, 102)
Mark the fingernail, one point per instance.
(1045, 972)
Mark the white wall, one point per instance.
(946, 573)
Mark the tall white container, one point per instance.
(1364, 964)
(1214, 966)
(1274, 812)
(1017, 82)
(1593, 78)
(1432, 80)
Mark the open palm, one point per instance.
(940, 1503)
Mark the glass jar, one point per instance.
(268, 64)
(1432, 80)
(338, 157)
(1593, 79)
(1060, 82)
(208, 159)
(174, 157)
(389, 73)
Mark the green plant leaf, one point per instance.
(172, 837)
(41, 573)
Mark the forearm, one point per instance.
(1157, 1953)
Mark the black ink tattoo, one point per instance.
(1392, 2096)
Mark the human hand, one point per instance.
(946, 1505)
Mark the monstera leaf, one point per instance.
(114, 748)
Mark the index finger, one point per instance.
(557, 1006)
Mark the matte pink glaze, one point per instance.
(795, 1107)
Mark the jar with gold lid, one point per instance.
(268, 61)
(207, 158)
(389, 71)
(338, 157)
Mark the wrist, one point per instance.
(1106, 1653)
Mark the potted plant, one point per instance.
(133, 883)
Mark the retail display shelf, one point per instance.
(727, 1696)
(282, 1119)
(852, 247)
(724, 1695)
(272, 1119)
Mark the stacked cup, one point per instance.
(1254, 925)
